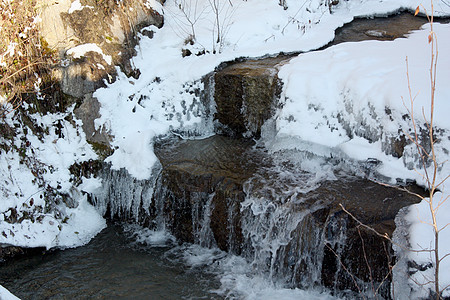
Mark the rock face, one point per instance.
(222, 192)
(87, 112)
(246, 95)
(109, 25)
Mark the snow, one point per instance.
(362, 80)
(76, 5)
(81, 225)
(44, 165)
(356, 82)
(6, 295)
(80, 50)
(421, 240)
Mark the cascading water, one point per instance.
(279, 233)
(280, 215)
(201, 220)
(286, 223)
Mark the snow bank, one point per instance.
(6, 295)
(30, 214)
(76, 229)
(421, 239)
(349, 97)
(163, 98)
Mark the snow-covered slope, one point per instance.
(31, 214)
(346, 100)
(358, 82)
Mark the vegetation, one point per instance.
(427, 156)
(25, 58)
(428, 168)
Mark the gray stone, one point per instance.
(88, 111)
(246, 95)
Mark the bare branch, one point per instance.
(346, 270)
(367, 262)
(364, 225)
(445, 256)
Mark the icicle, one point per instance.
(124, 195)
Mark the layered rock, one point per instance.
(246, 95)
(222, 192)
(109, 31)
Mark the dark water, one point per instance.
(111, 266)
(382, 29)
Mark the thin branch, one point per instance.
(346, 270)
(388, 258)
(443, 257)
(367, 262)
(21, 69)
(445, 179)
(364, 225)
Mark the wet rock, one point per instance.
(8, 253)
(246, 95)
(222, 192)
(197, 172)
(366, 255)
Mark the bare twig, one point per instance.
(367, 262)
(346, 270)
(364, 225)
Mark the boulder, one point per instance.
(246, 95)
(222, 192)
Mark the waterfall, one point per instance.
(286, 223)
(201, 220)
(282, 234)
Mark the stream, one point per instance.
(131, 262)
(113, 265)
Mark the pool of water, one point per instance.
(112, 266)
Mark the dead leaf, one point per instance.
(417, 11)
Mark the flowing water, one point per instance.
(117, 264)
(130, 262)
